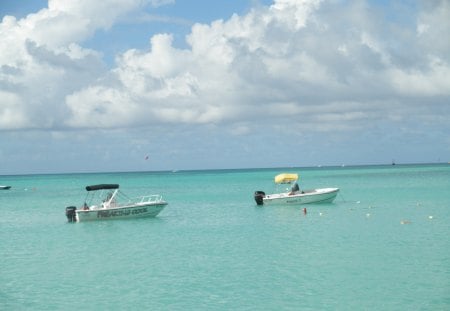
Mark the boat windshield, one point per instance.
(109, 197)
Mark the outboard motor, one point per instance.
(259, 195)
(71, 214)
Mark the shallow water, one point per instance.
(382, 245)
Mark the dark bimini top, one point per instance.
(102, 186)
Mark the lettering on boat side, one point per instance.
(105, 214)
(293, 201)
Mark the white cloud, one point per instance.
(433, 81)
(290, 62)
(42, 61)
(12, 114)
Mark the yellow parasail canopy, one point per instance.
(286, 178)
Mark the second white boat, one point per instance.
(295, 195)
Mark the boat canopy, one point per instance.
(102, 186)
(285, 178)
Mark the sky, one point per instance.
(150, 85)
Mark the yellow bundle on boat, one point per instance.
(286, 178)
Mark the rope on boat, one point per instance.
(345, 201)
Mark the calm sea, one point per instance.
(384, 244)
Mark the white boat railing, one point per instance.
(153, 198)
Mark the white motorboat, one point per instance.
(106, 201)
(295, 195)
(5, 187)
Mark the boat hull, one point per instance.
(324, 195)
(123, 212)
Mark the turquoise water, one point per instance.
(384, 244)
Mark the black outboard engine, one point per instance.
(259, 195)
(71, 214)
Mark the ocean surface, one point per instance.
(383, 244)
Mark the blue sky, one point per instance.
(93, 86)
